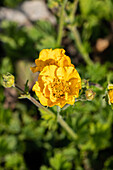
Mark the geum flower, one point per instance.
(51, 57)
(57, 86)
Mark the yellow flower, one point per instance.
(57, 85)
(110, 93)
(51, 57)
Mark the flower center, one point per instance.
(60, 88)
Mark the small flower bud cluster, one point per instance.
(8, 80)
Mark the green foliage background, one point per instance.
(28, 139)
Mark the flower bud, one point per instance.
(85, 83)
(90, 94)
(8, 80)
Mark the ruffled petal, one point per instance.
(71, 73)
(43, 99)
(65, 61)
(34, 69)
(61, 103)
(45, 54)
(61, 73)
(51, 57)
(71, 100)
(36, 87)
(46, 91)
(75, 84)
(48, 71)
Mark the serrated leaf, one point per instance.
(46, 115)
(49, 118)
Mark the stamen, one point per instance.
(60, 88)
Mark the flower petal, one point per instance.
(48, 72)
(75, 84)
(34, 69)
(71, 73)
(61, 73)
(46, 91)
(45, 54)
(65, 61)
(43, 99)
(36, 87)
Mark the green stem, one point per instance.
(77, 38)
(72, 16)
(59, 118)
(61, 24)
(36, 103)
(58, 110)
(33, 100)
(80, 47)
(66, 127)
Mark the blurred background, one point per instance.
(28, 142)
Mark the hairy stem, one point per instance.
(77, 38)
(74, 10)
(66, 127)
(59, 118)
(61, 24)
(80, 46)
(33, 100)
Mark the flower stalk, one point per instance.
(72, 16)
(77, 38)
(32, 99)
(61, 24)
(80, 46)
(66, 127)
(59, 118)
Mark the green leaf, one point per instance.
(96, 72)
(6, 66)
(49, 118)
(26, 89)
(15, 161)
